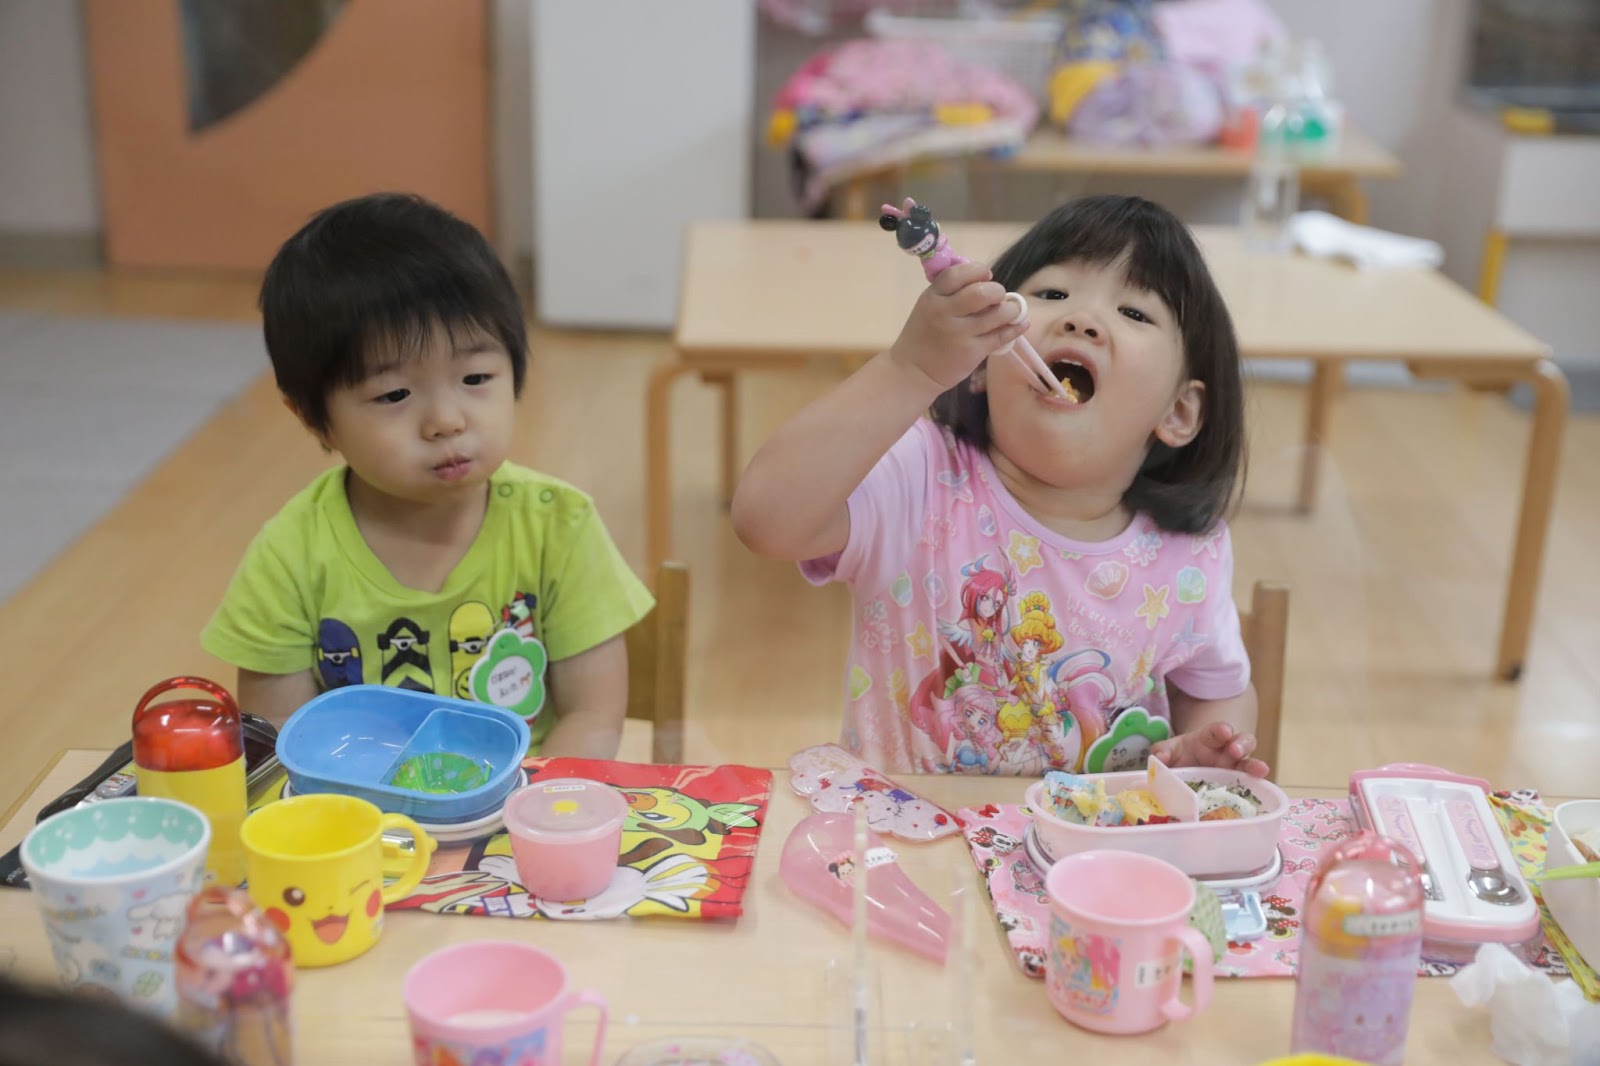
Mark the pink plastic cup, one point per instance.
(565, 835)
(493, 1003)
(1119, 922)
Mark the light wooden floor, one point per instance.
(1397, 578)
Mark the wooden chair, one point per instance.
(1266, 631)
(658, 650)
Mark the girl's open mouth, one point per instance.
(1075, 376)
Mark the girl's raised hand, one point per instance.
(1218, 745)
(961, 318)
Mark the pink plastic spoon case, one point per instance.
(1445, 818)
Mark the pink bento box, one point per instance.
(1199, 849)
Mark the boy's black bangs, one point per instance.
(387, 329)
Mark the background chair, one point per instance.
(1266, 635)
(657, 655)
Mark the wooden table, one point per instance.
(1336, 177)
(764, 975)
(767, 295)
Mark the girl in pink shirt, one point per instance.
(1036, 583)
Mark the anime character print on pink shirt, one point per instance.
(983, 642)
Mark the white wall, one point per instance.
(1472, 143)
(47, 168)
(631, 150)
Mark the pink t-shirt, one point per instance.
(984, 643)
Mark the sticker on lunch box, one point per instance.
(565, 788)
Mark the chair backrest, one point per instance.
(1266, 636)
(658, 651)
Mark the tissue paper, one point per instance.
(1534, 1020)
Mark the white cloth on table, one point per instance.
(1328, 236)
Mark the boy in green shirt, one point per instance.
(427, 561)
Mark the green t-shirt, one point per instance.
(310, 595)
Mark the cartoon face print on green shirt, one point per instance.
(338, 654)
(471, 625)
(405, 656)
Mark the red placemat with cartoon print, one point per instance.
(687, 848)
(995, 835)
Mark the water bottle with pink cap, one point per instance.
(1361, 946)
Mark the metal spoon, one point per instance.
(1487, 878)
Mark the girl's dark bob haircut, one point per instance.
(1188, 489)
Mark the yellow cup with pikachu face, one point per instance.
(316, 869)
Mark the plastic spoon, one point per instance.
(1487, 879)
(1397, 821)
(1572, 873)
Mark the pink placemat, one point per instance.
(995, 833)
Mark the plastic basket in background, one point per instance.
(1021, 47)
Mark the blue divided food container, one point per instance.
(353, 741)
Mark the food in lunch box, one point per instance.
(1081, 801)
(1587, 841)
(1219, 802)
(1084, 801)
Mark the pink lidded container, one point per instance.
(565, 836)
(1199, 849)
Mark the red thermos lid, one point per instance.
(187, 734)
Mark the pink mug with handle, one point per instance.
(493, 1003)
(1119, 922)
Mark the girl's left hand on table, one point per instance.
(1218, 744)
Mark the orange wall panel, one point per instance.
(393, 95)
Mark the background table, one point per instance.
(1335, 177)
